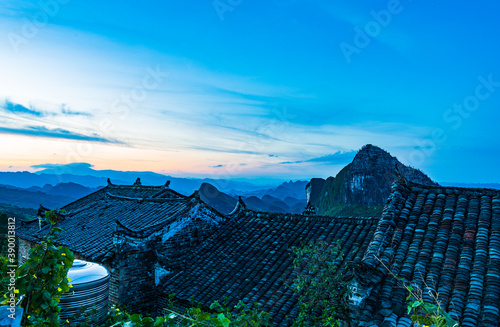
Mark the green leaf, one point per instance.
(159, 321)
(204, 316)
(225, 322)
(449, 320)
(46, 295)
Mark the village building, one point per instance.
(156, 242)
(121, 226)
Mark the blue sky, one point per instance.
(230, 88)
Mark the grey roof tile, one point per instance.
(248, 258)
(442, 239)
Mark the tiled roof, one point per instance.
(440, 239)
(248, 258)
(131, 191)
(90, 221)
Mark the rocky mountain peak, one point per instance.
(365, 182)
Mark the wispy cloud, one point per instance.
(228, 150)
(71, 165)
(65, 110)
(340, 157)
(34, 111)
(58, 133)
(19, 109)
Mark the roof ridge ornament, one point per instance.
(240, 206)
(138, 182)
(167, 184)
(41, 211)
(195, 197)
(400, 176)
(109, 182)
(309, 210)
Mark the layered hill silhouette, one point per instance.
(281, 201)
(359, 189)
(83, 174)
(32, 199)
(362, 187)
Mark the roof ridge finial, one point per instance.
(41, 211)
(195, 197)
(109, 182)
(399, 175)
(240, 206)
(167, 184)
(138, 182)
(309, 210)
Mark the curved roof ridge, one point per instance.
(166, 189)
(102, 190)
(121, 197)
(144, 187)
(270, 215)
(139, 233)
(456, 188)
(150, 199)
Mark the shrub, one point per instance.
(42, 279)
(323, 295)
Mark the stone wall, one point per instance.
(142, 258)
(114, 285)
(132, 277)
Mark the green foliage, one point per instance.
(421, 312)
(20, 213)
(3, 233)
(84, 318)
(4, 261)
(425, 313)
(42, 278)
(323, 295)
(333, 188)
(4, 279)
(219, 316)
(332, 204)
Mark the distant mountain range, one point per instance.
(286, 197)
(292, 189)
(48, 195)
(84, 175)
(359, 189)
(278, 199)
